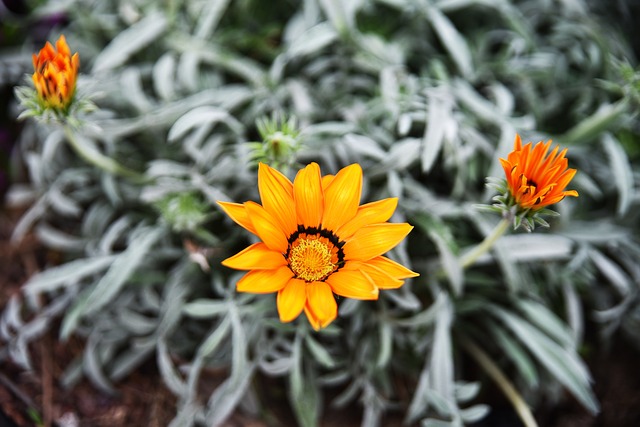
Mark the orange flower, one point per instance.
(535, 177)
(55, 74)
(316, 241)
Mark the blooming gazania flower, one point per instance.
(317, 241)
(535, 177)
(55, 74)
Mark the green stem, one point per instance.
(99, 160)
(501, 381)
(472, 256)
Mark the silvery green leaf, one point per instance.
(131, 83)
(612, 271)
(364, 145)
(62, 203)
(126, 362)
(563, 364)
(474, 413)
(92, 366)
(164, 76)
(621, 170)
(205, 308)
(403, 153)
(201, 116)
(227, 396)
(441, 364)
(276, 367)
(438, 114)
(386, 344)
(319, 352)
(452, 40)
(168, 371)
(547, 321)
(432, 422)
(57, 239)
(303, 390)
(11, 319)
(214, 10)
(137, 323)
(537, 247)
(517, 354)
(67, 274)
(442, 236)
(114, 279)
(312, 40)
(574, 310)
(341, 14)
(466, 391)
(404, 124)
(215, 338)
(115, 232)
(591, 127)
(130, 41)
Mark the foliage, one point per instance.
(426, 96)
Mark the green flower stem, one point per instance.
(501, 381)
(99, 160)
(472, 256)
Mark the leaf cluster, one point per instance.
(426, 96)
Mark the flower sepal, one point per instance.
(506, 206)
(34, 107)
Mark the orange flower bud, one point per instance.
(55, 75)
(535, 177)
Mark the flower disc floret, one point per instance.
(316, 241)
(311, 259)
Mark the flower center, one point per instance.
(311, 260)
(314, 254)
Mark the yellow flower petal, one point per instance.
(353, 284)
(392, 268)
(238, 213)
(264, 281)
(380, 278)
(342, 197)
(321, 303)
(313, 320)
(266, 227)
(374, 240)
(276, 193)
(256, 257)
(371, 213)
(326, 180)
(308, 196)
(291, 300)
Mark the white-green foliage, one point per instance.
(426, 96)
